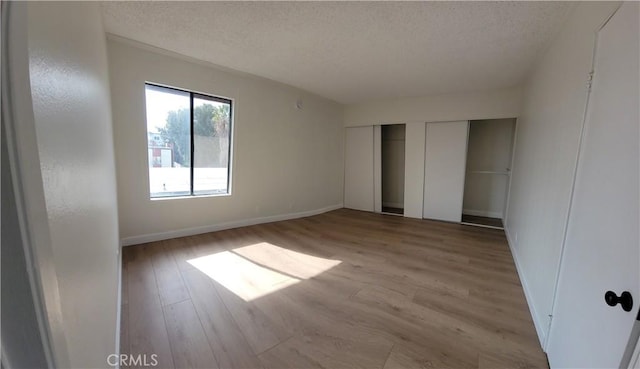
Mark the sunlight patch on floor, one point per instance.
(257, 270)
(290, 262)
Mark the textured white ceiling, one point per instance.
(352, 51)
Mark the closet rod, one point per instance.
(506, 173)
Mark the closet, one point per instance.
(488, 169)
(392, 168)
(451, 171)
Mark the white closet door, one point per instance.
(358, 169)
(377, 169)
(444, 169)
(414, 170)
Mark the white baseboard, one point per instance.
(152, 237)
(482, 213)
(542, 336)
(398, 205)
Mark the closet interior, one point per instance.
(488, 171)
(392, 168)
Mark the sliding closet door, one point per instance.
(377, 169)
(444, 169)
(414, 170)
(358, 169)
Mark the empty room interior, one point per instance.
(320, 184)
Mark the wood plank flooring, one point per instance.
(344, 289)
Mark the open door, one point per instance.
(601, 255)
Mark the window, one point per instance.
(189, 142)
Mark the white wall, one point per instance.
(504, 103)
(547, 140)
(285, 160)
(490, 149)
(70, 94)
(393, 139)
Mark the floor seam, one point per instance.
(388, 356)
(184, 283)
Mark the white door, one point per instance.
(377, 169)
(602, 244)
(414, 169)
(444, 168)
(358, 168)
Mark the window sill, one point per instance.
(183, 197)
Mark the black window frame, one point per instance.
(192, 96)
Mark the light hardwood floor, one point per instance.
(345, 289)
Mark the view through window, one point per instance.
(189, 141)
